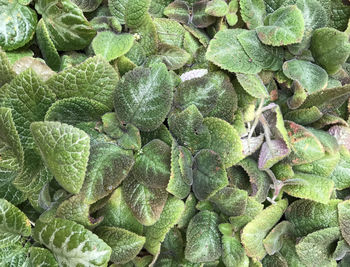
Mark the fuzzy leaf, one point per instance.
(6, 72)
(85, 80)
(344, 219)
(144, 96)
(271, 153)
(274, 240)
(87, 5)
(200, 18)
(170, 32)
(284, 26)
(342, 134)
(136, 12)
(189, 212)
(65, 151)
(256, 230)
(233, 253)
(173, 57)
(253, 85)
(341, 173)
(203, 238)
(42, 257)
(71, 244)
(117, 9)
(216, 8)
(178, 10)
(8, 191)
(111, 46)
(253, 12)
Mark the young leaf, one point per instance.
(13, 224)
(66, 24)
(125, 245)
(179, 11)
(233, 253)
(226, 51)
(209, 174)
(274, 240)
(85, 80)
(253, 85)
(253, 12)
(256, 230)
(189, 211)
(173, 57)
(65, 151)
(170, 215)
(283, 27)
(216, 8)
(200, 18)
(143, 97)
(146, 203)
(136, 13)
(18, 25)
(170, 32)
(203, 238)
(110, 45)
(71, 244)
(42, 257)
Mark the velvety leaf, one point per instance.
(284, 26)
(271, 153)
(65, 151)
(209, 174)
(146, 203)
(17, 54)
(224, 140)
(107, 167)
(203, 238)
(173, 57)
(18, 27)
(8, 191)
(144, 96)
(344, 219)
(342, 134)
(253, 12)
(6, 72)
(253, 85)
(273, 5)
(71, 243)
(117, 9)
(274, 240)
(170, 215)
(199, 17)
(74, 110)
(216, 8)
(189, 212)
(226, 51)
(59, 17)
(330, 48)
(13, 224)
(87, 5)
(170, 32)
(110, 45)
(340, 175)
(304, 116)
(125, 245)
(85, 80)
(178, 10)
(116, 213)
(233, 253)
(256, 230)
(341, 250)
(251, 145)
(136, 12)
(173, 244)
(37, 65)
(316, 248)
(42, 257)
(311, 77)
(157, 7)
(311, 187)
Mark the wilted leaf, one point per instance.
(37, 65)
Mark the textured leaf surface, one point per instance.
(173, 57)
(94, 79)
(316, 248)
(8, 191)
(18, 27)
(111, 46)
(233, 253)
(253, 12)
(170, 215)
(226, 51)
(341, 173)
(6, 72)
(253, 85)
(256, 230)
(42, 257)
(344, 219)
(216, 8)
(65, 150)
(209, 174)
(274, 240)
(66, 24)
(125, 245)
(284, 26)
(87, 5)
(189, 212)
(144, 96)
(71, 243)
(136, 12)
(203, 238)
(117, 9)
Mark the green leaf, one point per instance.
(110, 45)
(253, 12)
(65, 151)
(116, 213)
(42, 257)
(173, 244)
(273, 5)
(253, 85)
(85, 80)
(13, 224)
(273, 242)
(15, 55)
(233, 253)
(170, 32)
(256, 230)
(226, 51)
(173, 57)
(341, 173)
(304, 116)
(125, 245)
(107, 167)
(189, 212)
(72, 244)
(66, 24)
(35, 100)
(330, 48)
(311, 77)
(344, 219)
(117, 9)
(199, 18)
(283, 27)
(225, 141)
(87, 5)
(146, 203)
(143, 97)
(216, 8)
(203, 238)
(47, 47)
(313, 187)
(152, 164)
(6, 72)
(155, 234)
(317, 247)
(8, 191)
(18, 24)
(179, 11)
(209, 174)
(157, 7)
(136, 12)
(15, 255)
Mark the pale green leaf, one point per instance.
(233, 253)
(253, 12)
(65, 151)
(36, 64)
(117, 9)
(170, 32)
(216, 8)
(173, 57)
(136, 12)
(42, 257)
(87, 5)
(273, 242)
(253, 85)
(344, 219)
